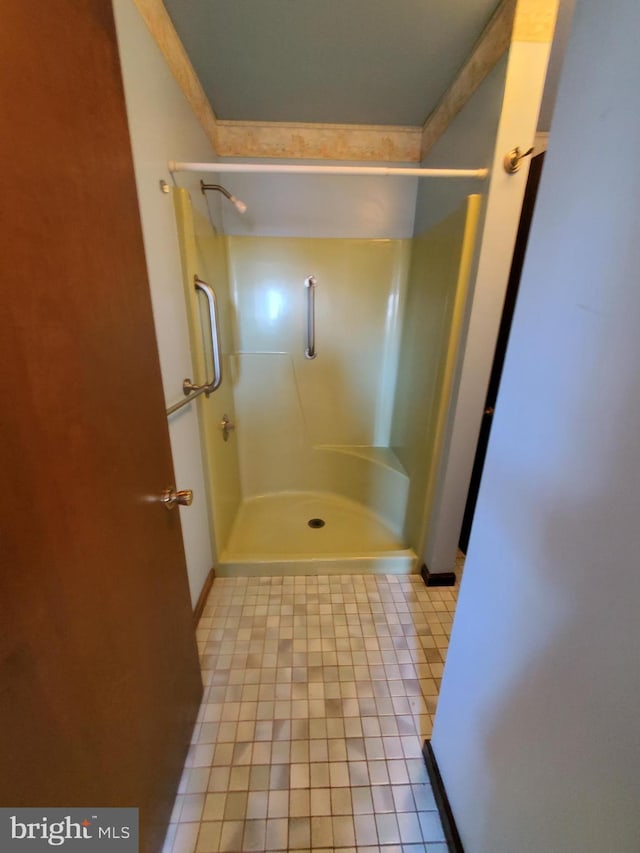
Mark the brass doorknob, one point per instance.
(513, 159)
(171, 498)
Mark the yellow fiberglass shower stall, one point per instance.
(337, 333)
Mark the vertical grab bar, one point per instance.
(209, 387)
(310, 285)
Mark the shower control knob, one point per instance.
(225, 426)
(171, 497)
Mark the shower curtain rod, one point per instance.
(284, 168)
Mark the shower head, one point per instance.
(240, 206)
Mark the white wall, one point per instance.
(163, 127)
(468, 143)
(564, 20)
(283, 205)
(523, 86)
(537, 733)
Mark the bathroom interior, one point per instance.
(331, 460)
(330, 451)
(327, 459)
(354, 422)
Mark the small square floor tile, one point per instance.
(185, 838)
(277, 833)
(239, 779)
(339, 774)
(403, 798)
(299, 803)
(378, 772)
(254, 836)
(319, 775)
(231, 836)
(299, 776)
(209, 837)
(321, 832)
(388, 832)
(257, 805)
(214, 806)
(365, 830)
(362, 800)
(259, 778)
(424, 798)
(341, 801)
(320, 799)
(299, 832)
(358, 773)
(343, 831)
(279, 803)
(279, 777)
(219, 779)
(235, 806)
(409, 826)
(431, 826)
(318, 694)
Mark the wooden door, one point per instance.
(99, 681)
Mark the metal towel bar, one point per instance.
(310, 285)
(184, 402)
(191, 390)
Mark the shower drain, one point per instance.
(316, 522)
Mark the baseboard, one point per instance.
(437, 578)
(204, 594)
(442, 801)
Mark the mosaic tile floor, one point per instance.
(319, 692)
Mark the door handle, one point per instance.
(170, 497)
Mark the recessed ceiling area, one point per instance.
(381, 62)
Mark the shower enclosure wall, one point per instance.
(330, 462)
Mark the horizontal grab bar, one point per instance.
(184, 402)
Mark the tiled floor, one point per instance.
(319, 692)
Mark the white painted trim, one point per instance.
(523, 94)
(541, 142)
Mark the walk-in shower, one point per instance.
(337, 352)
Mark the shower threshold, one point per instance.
(311, 533)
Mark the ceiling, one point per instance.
(330, 61)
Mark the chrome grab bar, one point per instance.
(310, 285)
(208, 387)
(191, 390)
(186, 401)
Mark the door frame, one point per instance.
(524, 86)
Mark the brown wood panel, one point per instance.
(99, 680)
(204, 595)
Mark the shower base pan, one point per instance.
(311, 533)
